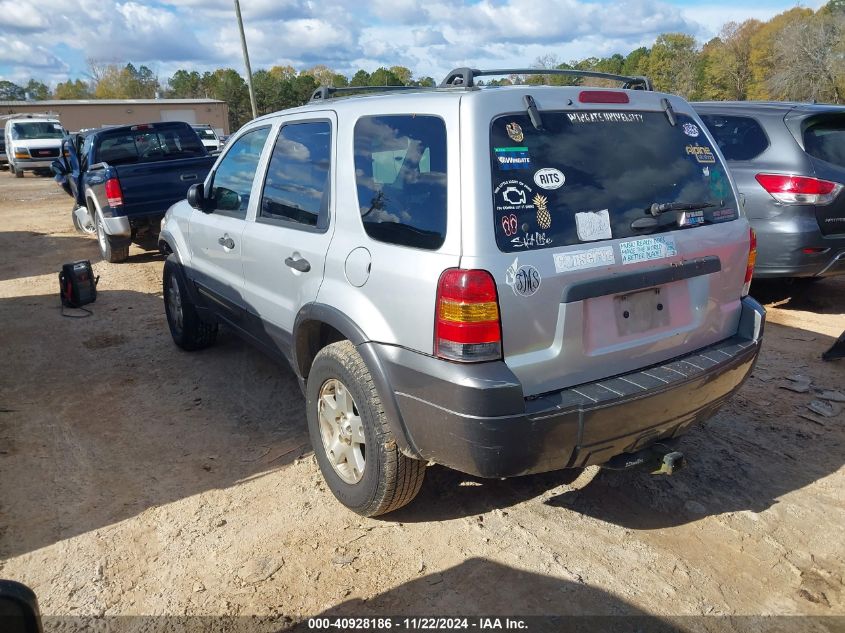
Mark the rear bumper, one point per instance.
(780, 249)
(473, 418)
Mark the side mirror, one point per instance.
(19, 608)
(59, 168)
(197, 199)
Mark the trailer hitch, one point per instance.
(658, 459)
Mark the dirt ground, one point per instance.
(136, 479)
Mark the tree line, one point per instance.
(798, 55)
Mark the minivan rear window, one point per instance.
(825, 139)
(587, 175)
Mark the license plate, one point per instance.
(642, 311)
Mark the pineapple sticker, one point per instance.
(544, 218)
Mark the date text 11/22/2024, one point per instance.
(418, 624)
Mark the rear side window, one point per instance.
(149, 145)
(297, 186)
(400, 174)
(825, 139)
(739, 137)
(587, 176)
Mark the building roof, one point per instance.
(61, 102)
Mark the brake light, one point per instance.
(113, 193)
(602, 96)
(466, 325)
(799, 189)
(752, 259)
(144, 126)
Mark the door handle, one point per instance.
(299, 264)
(226, 242)
(188, 177)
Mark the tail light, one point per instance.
(602, 96)
(752, 259)
(113, 193)
(466, 325)
(799, 189)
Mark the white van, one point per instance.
(32, 142)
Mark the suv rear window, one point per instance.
(739, 137)
(825, 139)
(586, 176)
(400, 174)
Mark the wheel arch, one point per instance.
(318, 325)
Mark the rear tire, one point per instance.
(351, 436)
(188, 330)
(110, 251)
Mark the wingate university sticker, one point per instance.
(512, 157)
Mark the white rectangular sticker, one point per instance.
(580, 260)
(648, 248)
(593, 225)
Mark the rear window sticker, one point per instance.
(719, 186)
(724, 214)
(549, 178)
(593, 225)
(512, 195)
(702, 153)
(514, 131)
(509, 224)
(705, 171)
(544, 218)
(691, 218)
(512, 158)
(581, 260)
(531, 240)
(691, 129)
(647, 249)
(604, 117)
(524, 280)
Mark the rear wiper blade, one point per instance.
(658, 208)
(533, 112)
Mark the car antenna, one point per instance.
(533, 112)
(670, 113)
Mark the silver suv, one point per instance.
(502, 280)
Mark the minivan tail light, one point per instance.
(602, 96)
(466, 325)
(799, 189)
(752, 259)
(113, 193)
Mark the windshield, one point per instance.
(148, 145)
(586, 176)
(36, 130)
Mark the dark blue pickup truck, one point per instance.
(123, 180)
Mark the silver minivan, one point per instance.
(503, 280)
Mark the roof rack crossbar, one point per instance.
(327, 92)
(465, 77)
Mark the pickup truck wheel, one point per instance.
(352, 441)
(187, 329)
(110, 252)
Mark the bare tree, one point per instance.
(809, 60)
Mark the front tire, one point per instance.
(352, 440)
(188, 330)
(109, 249)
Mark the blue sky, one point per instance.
(53, 39)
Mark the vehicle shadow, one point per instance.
(822, 296)
(745, 458)
(45, 253)
(482, 588)
(104, 417)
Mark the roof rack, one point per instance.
(464, 77)
(327, 92)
